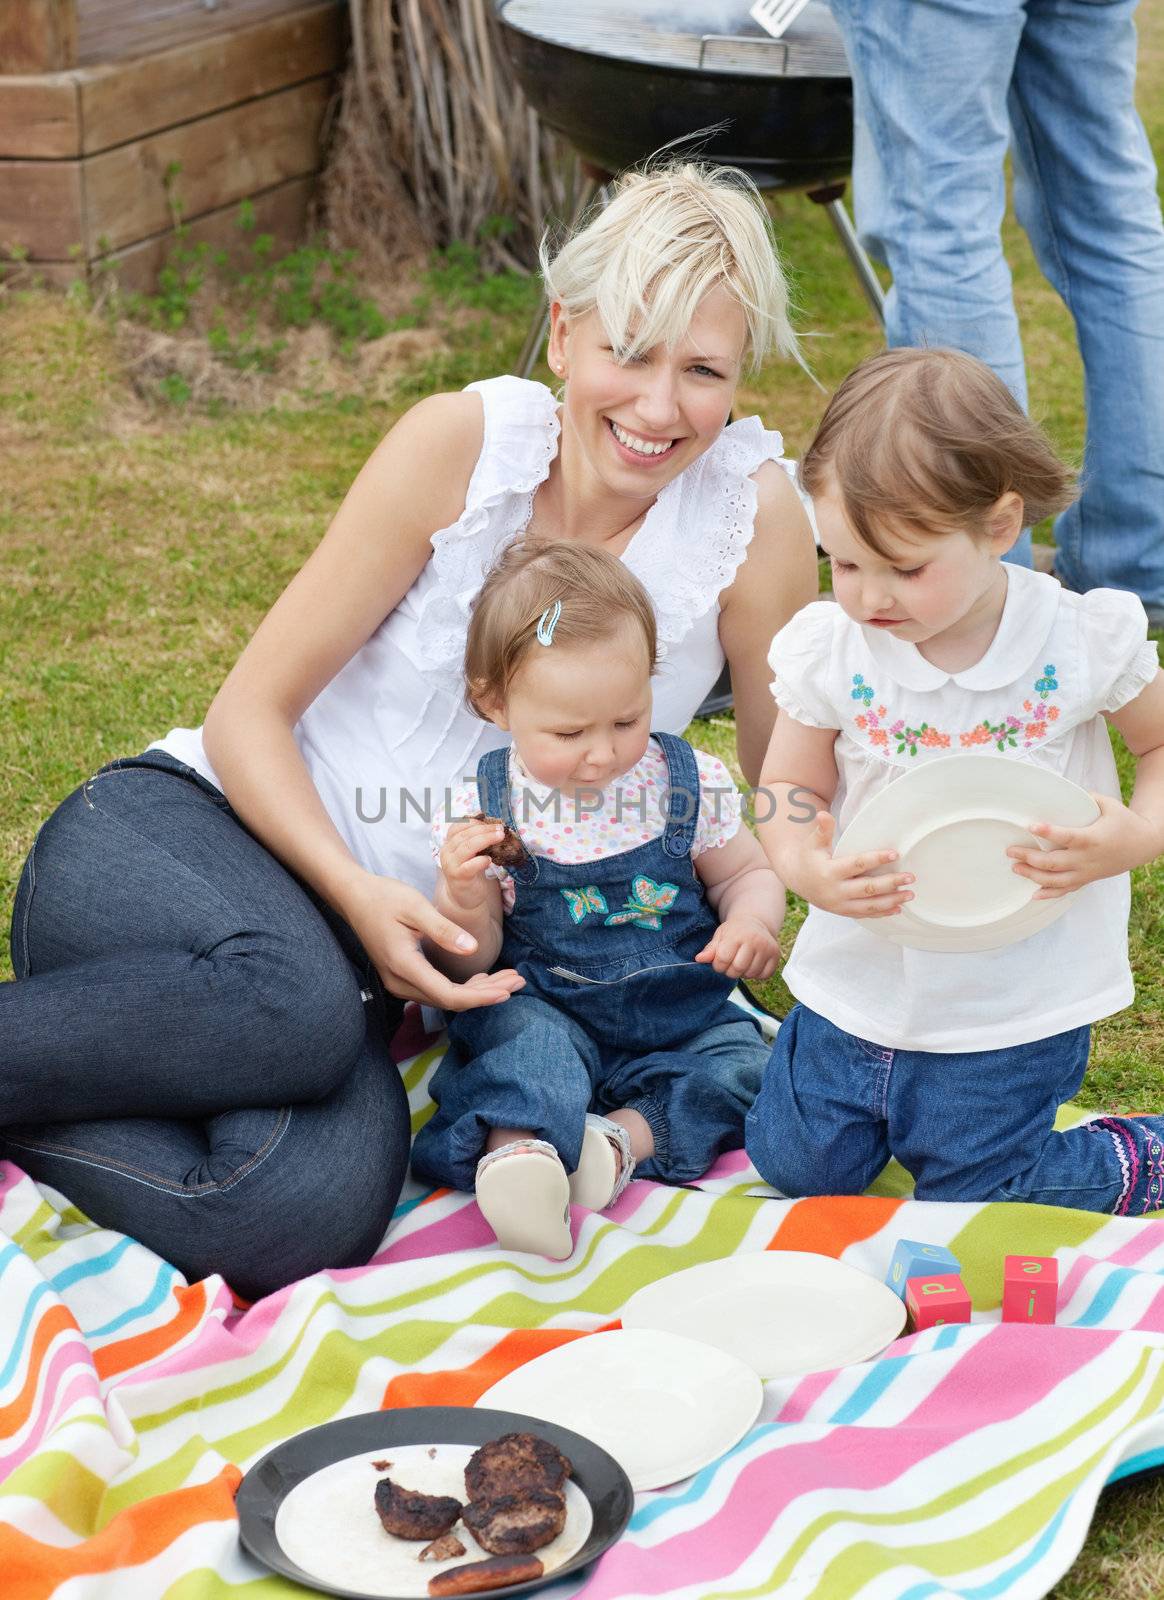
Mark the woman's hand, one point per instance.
(391, 919)
(742, 947)
(1118, 840)
(464, 863)
(836, 884)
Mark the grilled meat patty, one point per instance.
(410, 1515)
(513, 1463)
(515, 1524)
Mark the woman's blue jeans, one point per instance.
(194, 1049)
(941, 88)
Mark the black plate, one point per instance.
(272, 1479)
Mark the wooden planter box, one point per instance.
(101, 100)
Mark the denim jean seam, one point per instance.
(26, 915)
(123, 766)
(152, 1180)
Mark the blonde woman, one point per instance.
(213, 940)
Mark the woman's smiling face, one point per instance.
(639, 423)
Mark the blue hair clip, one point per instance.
(548, 622)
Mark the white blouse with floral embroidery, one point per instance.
(1057, 662)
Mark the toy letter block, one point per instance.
(1030, 1289)
(914, 1260)
(936, 1300)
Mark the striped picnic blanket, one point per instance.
(965, 1461)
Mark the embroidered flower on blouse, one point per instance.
(905, 737)
(1004, 734)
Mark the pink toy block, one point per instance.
(936, 1300)
(1030, 1289)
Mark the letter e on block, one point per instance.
(1030, 1289)
(935, 1300)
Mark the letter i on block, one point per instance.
(1030, 1289)
(936, 1300)
(912, 1259)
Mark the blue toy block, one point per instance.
(912, 1259)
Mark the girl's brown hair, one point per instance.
(599, 597)
(927, 441)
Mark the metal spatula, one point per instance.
(776, 15)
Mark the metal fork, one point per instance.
(776, 15)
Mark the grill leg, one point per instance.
(535, 336)
(831, 198)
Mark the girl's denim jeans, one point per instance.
(972, 1126)
(195, 1049)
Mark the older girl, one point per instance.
(212, 939)
(924, 471)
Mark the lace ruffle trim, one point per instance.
(686, 570)
(684, 575)
(518, 445)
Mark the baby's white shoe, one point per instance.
(524, 1195)
(605, 1166)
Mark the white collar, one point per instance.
(1028, 615)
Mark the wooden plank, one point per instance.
(128, 99)
(281, 211)
(37, 35)
(40, 117)
(221, 158)
(109, 30)
(41, 274)
(41, 208)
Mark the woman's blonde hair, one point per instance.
(671, 233)
(927, 441)
(599, 597)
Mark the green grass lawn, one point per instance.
(141, 542)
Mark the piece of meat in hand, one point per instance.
(515, 1524)
(509, 850)
(512, 1463)
(411, 1515)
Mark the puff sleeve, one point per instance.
(719, 805)
(1121, 660)
(801, 659)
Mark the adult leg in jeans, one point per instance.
(1085, 191)
(184, 1004)
(930, 138)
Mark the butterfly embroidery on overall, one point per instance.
(583, 901)
(649, 902)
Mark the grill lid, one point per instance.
(700, 35)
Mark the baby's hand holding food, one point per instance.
(1118, 840)
(742, 947)
(836, 883)
(464, 861)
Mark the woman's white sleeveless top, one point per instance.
(391, 733)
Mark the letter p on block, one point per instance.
(936, 1300)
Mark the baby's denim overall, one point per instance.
(615, 1011)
